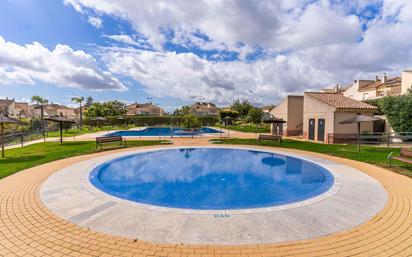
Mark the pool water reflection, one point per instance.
(211, 178)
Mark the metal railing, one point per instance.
(387, 138)
(22, 137)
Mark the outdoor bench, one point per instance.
(109, 139)
(405, 156)
(270, 137)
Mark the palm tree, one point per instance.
(79, 100)
(41, 101)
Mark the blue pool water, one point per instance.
(164, 131)
(211, 178)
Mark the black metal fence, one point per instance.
(397, 138)
(22, 137)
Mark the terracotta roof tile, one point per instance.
(339, 101)
(392, 82)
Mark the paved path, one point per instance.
(28, 228)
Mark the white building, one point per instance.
(379, 87)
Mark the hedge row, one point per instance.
(140, 121)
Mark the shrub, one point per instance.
(255, 115)
(398, 111)
(140, 121)
(191, 121)
(376, 103)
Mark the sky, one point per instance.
(177, 52)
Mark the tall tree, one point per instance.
(89, 101)
(184, 110)
(41, 102)
(255, 115)
(110, 108)
(242, 107)
(79, 100)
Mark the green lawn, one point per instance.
(369, 154)
(84, 130)
(29, 156)
(246, 128)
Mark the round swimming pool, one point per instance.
(211, 178)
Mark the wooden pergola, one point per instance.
(98, 120)
(61, 121)
(276, 122)
(357, 119)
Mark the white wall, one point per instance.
(290, 109)
(354, 93)
(314, 109)
(351, 128)
(406, 81)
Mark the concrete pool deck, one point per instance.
(27, 227)
(353, 199)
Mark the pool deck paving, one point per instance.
(28, 228)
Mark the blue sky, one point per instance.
(178, 52)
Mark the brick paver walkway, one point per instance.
(28, 228)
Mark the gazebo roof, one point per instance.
(359, 118)
(60, 119)
(6, 119)
(98, 118)
(269, 118)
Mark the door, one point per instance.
(321, 130)
(311, 135)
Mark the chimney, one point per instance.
(376, 78)
(384, 78)
(337, 88)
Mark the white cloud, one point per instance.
(187, 76)
(63, 66)
(95, 21)
(128, 40)
(276, 25)
(307, 44)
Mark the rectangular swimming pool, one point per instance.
(164, 131)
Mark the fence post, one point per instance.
(21, 139)
(388, 138)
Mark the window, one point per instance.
(365, 96)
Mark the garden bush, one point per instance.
(398, 111)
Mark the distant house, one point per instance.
(203, 109)
(379, 87)
(7, 106)
(51, 110)
(290, 109)
(335, 89)
(323, 112)
(14, 109)
(77, 110)
(144, 109)
(22, 109)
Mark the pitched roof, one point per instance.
(375, 84)
(51, 106)
(339, 101)
(6, 102)
(142, 105)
